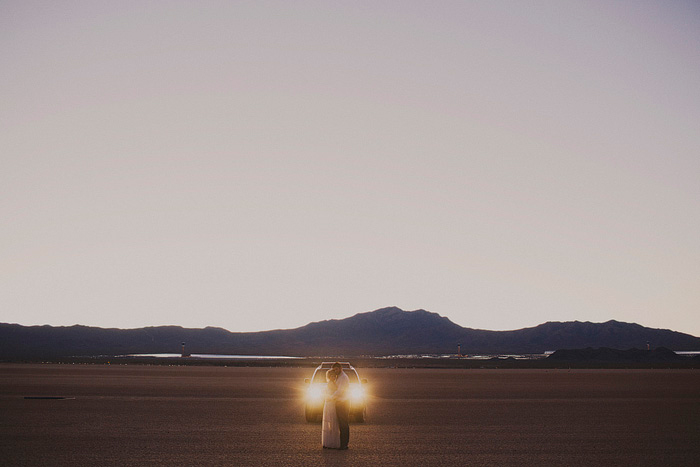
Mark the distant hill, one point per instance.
(388, 331)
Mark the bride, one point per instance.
(330, 430)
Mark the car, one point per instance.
(315, 393)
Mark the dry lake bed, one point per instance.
(192, 415)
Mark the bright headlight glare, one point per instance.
(357, 393)
(314, 392)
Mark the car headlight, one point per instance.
(314, 393)
(357, 394)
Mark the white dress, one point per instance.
(330, 430)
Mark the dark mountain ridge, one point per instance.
(387, 331)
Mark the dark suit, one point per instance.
(342, 410)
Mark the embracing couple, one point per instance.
(335, 432)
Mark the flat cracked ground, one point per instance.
(184, 415)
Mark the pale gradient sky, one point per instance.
(259, 165)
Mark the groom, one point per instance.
(342, 405)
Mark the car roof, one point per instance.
(328, 365)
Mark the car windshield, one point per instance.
(320, 376)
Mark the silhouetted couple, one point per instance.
(335, 431)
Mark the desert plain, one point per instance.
(133, 415)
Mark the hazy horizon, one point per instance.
(239, 164)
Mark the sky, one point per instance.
(258, 165)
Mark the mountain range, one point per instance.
(387, 331)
